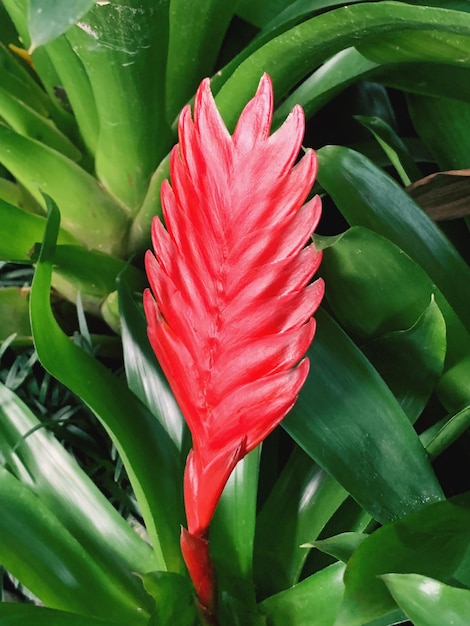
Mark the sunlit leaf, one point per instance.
(48, 20)
(430, 542)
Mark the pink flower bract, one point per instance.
(230, 317)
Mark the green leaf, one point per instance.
(124, 49)
(302, 502)
(14, 314)
(411, 360)
(59, 483)
(233, 532)
(341, 546)
(37, 549)
(444, 126)
(384, 298)
(26, 121)
(346, 417)
(430, 542)
(90, 214)
(366, 196)
(196, 33)
(174, 601)
(21, 231)
(144, 446)
(26, 614)
(48, 20)
(143, 372)
(429, 602)
(393, 147)
(313, 602)
(91, 273)
(289, 57)
(449, 432)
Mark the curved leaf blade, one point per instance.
(48, 20)
(346, 417)
(144, 446)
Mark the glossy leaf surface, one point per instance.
(68, 493)
(37, 549)
(302, 501)
(313, 602)
(347, 417)
(144, 446)
(366, 196)
(429, 602)
(431, 542)
(49, 20)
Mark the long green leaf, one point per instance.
(48, 20)
(123, 49)
(347, 419)
(290, 56)
(313, 602)
(430, 542)
(37, 549)
(90, 214)
(366, 196)
(144, 374)
(60, 484)
(196, 33)
(20, 231)
(148, 453)
(302, 502)
(429, 602)
(26, 614)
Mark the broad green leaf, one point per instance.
(393, 147)
(32, 452)
(16, 80)
(366, 196)
(302, 502)
(48, 20)
(14, 314)
(37, 549)
(29, 123)
(90, 214)
(346, 417)
(444, 125)
(430, 542)
(124, 51)
(429, 602)
(196, 33)
(261, 12)
(380, 294)
(233, 533)
(21, 231)
(174, 601)
(27, 614)
(91, 273)
(144, 446)
(411, 360)
(313, 602)
(143, 372)
(289, 57)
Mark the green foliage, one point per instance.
(344, 516)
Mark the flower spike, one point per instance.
(231, 301)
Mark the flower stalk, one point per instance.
(231, 301)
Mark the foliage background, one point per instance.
(360, 480)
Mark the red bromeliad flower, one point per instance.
(231, 312)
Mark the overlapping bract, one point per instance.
(231, 312)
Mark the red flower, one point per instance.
(231, 312)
